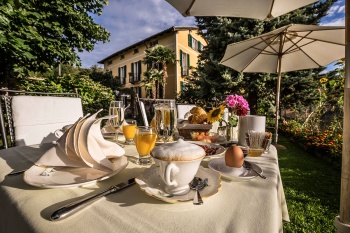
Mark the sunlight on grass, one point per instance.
(312, 189)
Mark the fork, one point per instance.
(249, 166)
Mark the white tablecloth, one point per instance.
(254, 206)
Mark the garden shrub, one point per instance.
(94, 96)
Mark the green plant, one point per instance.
(94, 95)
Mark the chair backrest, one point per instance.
(142, 110)
(182, 109)
(34, 119)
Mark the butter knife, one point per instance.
(75, 206)
(249, 166)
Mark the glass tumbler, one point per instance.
(129, 127)
(145, 140)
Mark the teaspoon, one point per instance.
(197, 184)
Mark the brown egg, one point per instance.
(234, 157)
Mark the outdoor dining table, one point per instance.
(257, 205)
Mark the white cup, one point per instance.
(177, 174)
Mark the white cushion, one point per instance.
(36, 118)
(182, 109)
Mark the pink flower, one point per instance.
(238, 105)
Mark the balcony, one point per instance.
(185, 71)
(134, 77)
(122, 80)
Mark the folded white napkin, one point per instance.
(83, 146)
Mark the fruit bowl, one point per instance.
(204, 136)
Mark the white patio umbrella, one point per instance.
(255, 9)
(289, 48)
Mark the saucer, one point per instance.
(232, 173)
(68, 177)
(151, 183)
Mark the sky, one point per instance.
(130, 21)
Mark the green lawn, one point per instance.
(312, 189)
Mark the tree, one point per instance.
(36, 35)
(152, 77)
(214, 81)
(159, 57)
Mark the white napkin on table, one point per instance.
(83, 146)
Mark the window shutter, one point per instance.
(119, 72)
(199, 46)
(140, 72)
(181, 58)
(125, 74)
(188, 61)
(189, 40)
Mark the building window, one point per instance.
(153, 43)
(184, 63)
(109, 62)
(122, 74)
(137, 91)
(122, 57)
(194, 44)
(135, 74)
(136, 51)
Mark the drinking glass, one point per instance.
(116, 116)
(165, 119)
(129, 131)
(145, 140)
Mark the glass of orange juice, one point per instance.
(129, 127)
(145, 140)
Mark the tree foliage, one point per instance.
(36, 35)
(214, 81)
(158, 57)
(94, 95)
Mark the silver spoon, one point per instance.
(197, 184)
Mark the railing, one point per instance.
(122, 80)
(184, 71)
(134, 77)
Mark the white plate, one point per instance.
(67, 177)
(150, 182)
(219, 152)
(231, 173)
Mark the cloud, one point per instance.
(132, 21)
(335, 15)
(333, 10)
(334, 22)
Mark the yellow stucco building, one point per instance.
(127, 64)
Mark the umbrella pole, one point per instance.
(278, 90)
(342, 222)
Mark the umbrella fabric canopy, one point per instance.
(255, 9)
(289, 48)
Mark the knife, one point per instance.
(249, 166)
(75, 206)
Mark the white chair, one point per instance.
(182, 109)
(36, 118)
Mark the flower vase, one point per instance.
(232, 133)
